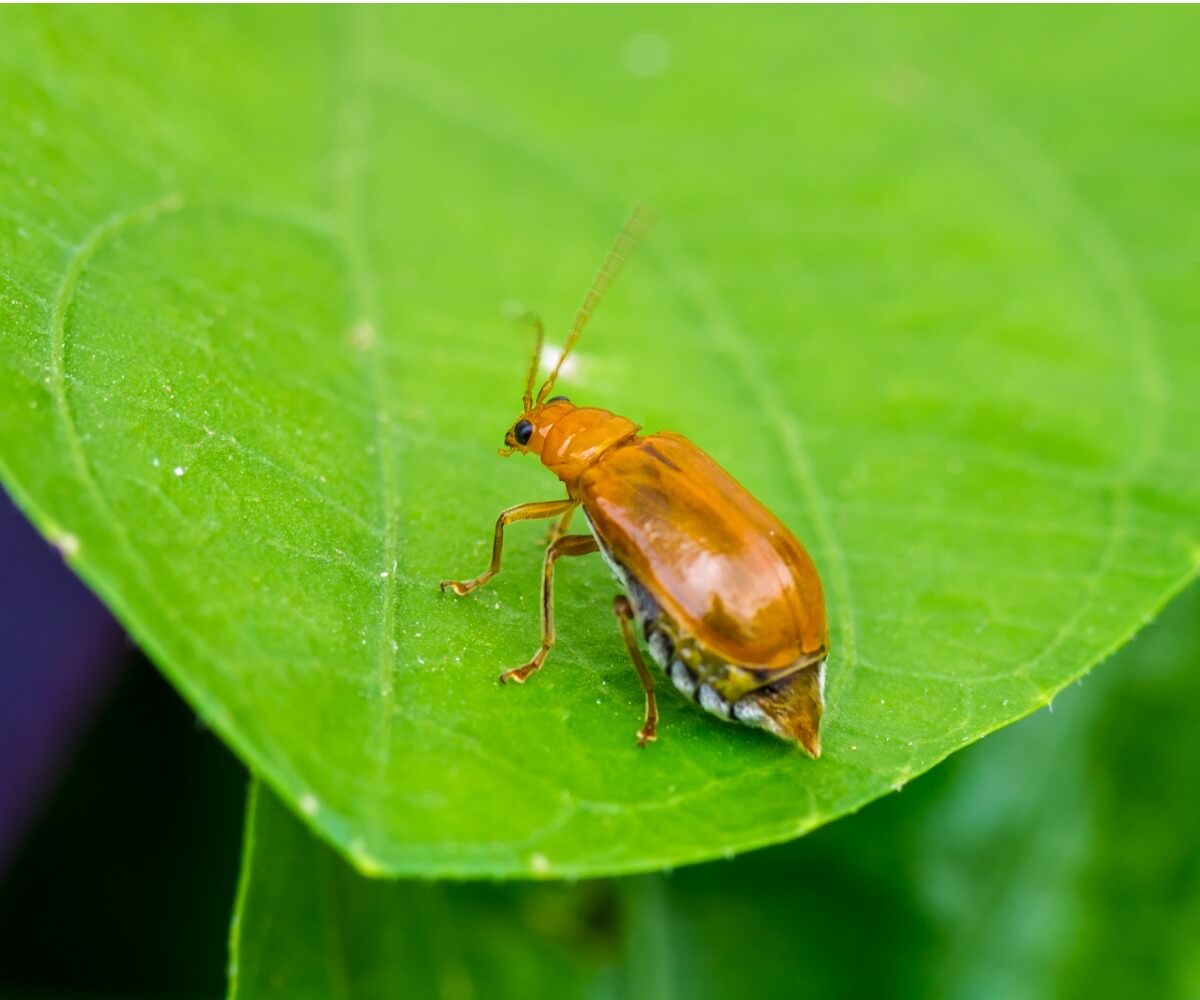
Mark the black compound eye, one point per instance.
(558, 399)
(523, 432)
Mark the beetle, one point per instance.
(728, 602)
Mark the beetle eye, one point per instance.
(523, 432)
(558, 399)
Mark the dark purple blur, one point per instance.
(60, 652)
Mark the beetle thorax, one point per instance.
(575, 436)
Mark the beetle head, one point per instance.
(530, 430)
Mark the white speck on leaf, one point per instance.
(647, 55)
(361, 336)
(309, 804)
(540, 864)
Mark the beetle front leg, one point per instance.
(568, 545)
(624, 612)
(521, 512)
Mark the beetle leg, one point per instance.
(624, 612)
(560, 529)
(521, 512)
(568, 545)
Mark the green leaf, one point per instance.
(1006, 874)
(924, 283)
(308, 925)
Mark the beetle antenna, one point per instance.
(635, 228)
(536, 322)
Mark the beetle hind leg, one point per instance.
(624, 612)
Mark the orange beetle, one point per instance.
(729, 603)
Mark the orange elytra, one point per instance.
(728, 602)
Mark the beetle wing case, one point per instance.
(720, 564)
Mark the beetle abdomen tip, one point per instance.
(790, 708)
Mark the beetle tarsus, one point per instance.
(519, 675)
(462, 588)
(648, 733)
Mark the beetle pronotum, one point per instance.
(728, 602)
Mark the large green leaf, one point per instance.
(925, 283)
(1055, 860)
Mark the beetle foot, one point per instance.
(461, 589)
(647, 734)
(520, 674)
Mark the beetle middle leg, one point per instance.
(624, 612)
(568, 545)
(521, 512)
(561, 526)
